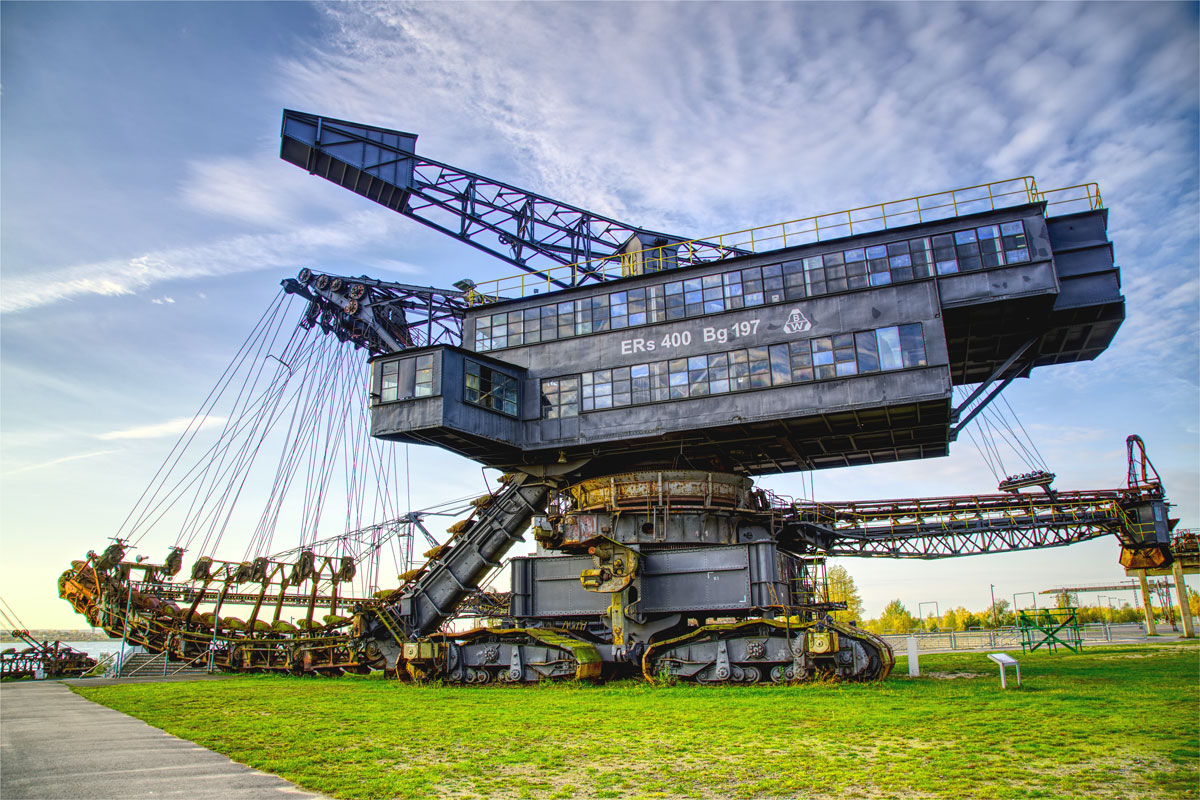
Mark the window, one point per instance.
(389, 387)
(532, 326)
(491, 389)
(843, 355)
(674, 296)
(733, 290)
(760, 367)
(899, 261)
(781, 364)
(620, 390)
(912, 345)
(1016, 248)
(693, 297)
(889, 348)
(516, 328)
(405, 378)
(718, 373)
(549, 323)
(867, 351)
(990, 246)
(677, 377)
(856, 268)
(739, 371)
(835, 272)
(423, 386)
(656, 304)
(483, 334)
(565, 319)
(560, 398)
(697, 376)
(618, 310)
(802, 364)
(820, 358)
(793, 280)
(814, 275)
(752, 288)
(773, 283)
(966, 244)
(944, 254)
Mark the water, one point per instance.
(93, 649)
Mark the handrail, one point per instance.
(805, 230)
(153, 658)
(189, 663)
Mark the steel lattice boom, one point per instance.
(380, 316)
(528, 230)
(945, 527)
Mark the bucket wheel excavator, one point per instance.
(628, 386)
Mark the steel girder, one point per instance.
(379, 316)
(956, 526)
(528, 230)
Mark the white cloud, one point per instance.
(239, 188)
(56, 461)
(156, 430)
(284, 252)
(701, 119)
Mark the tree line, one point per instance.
(896, 618)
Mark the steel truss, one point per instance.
(960, 526)
(530, 231)
(379, 316)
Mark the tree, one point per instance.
(841, 589)
(950, 621)
(999, 613)
(895, 617)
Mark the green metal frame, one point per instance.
(1063, 628)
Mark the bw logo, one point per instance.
(797, 322)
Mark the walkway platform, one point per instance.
(55, 744)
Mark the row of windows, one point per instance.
(491, 388)
(405, 378)
(819, 358)
(911, 259)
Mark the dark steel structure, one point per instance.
(525, 229)
(629, 410)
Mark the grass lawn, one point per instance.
(1113, 722)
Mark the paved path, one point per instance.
(56, 745)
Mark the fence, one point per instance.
(1000, 638)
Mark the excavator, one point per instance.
(629, 385)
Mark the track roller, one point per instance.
(778, 651)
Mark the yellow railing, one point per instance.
(806, 230)
(1084, 197)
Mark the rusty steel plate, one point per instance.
(669, 488)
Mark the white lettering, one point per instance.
(630, 346)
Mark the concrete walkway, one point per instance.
(56, 745)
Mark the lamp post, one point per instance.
(995, 615)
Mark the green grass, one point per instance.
(1113, 722)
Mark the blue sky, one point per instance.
(147, 218)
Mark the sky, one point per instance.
(147, 218)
